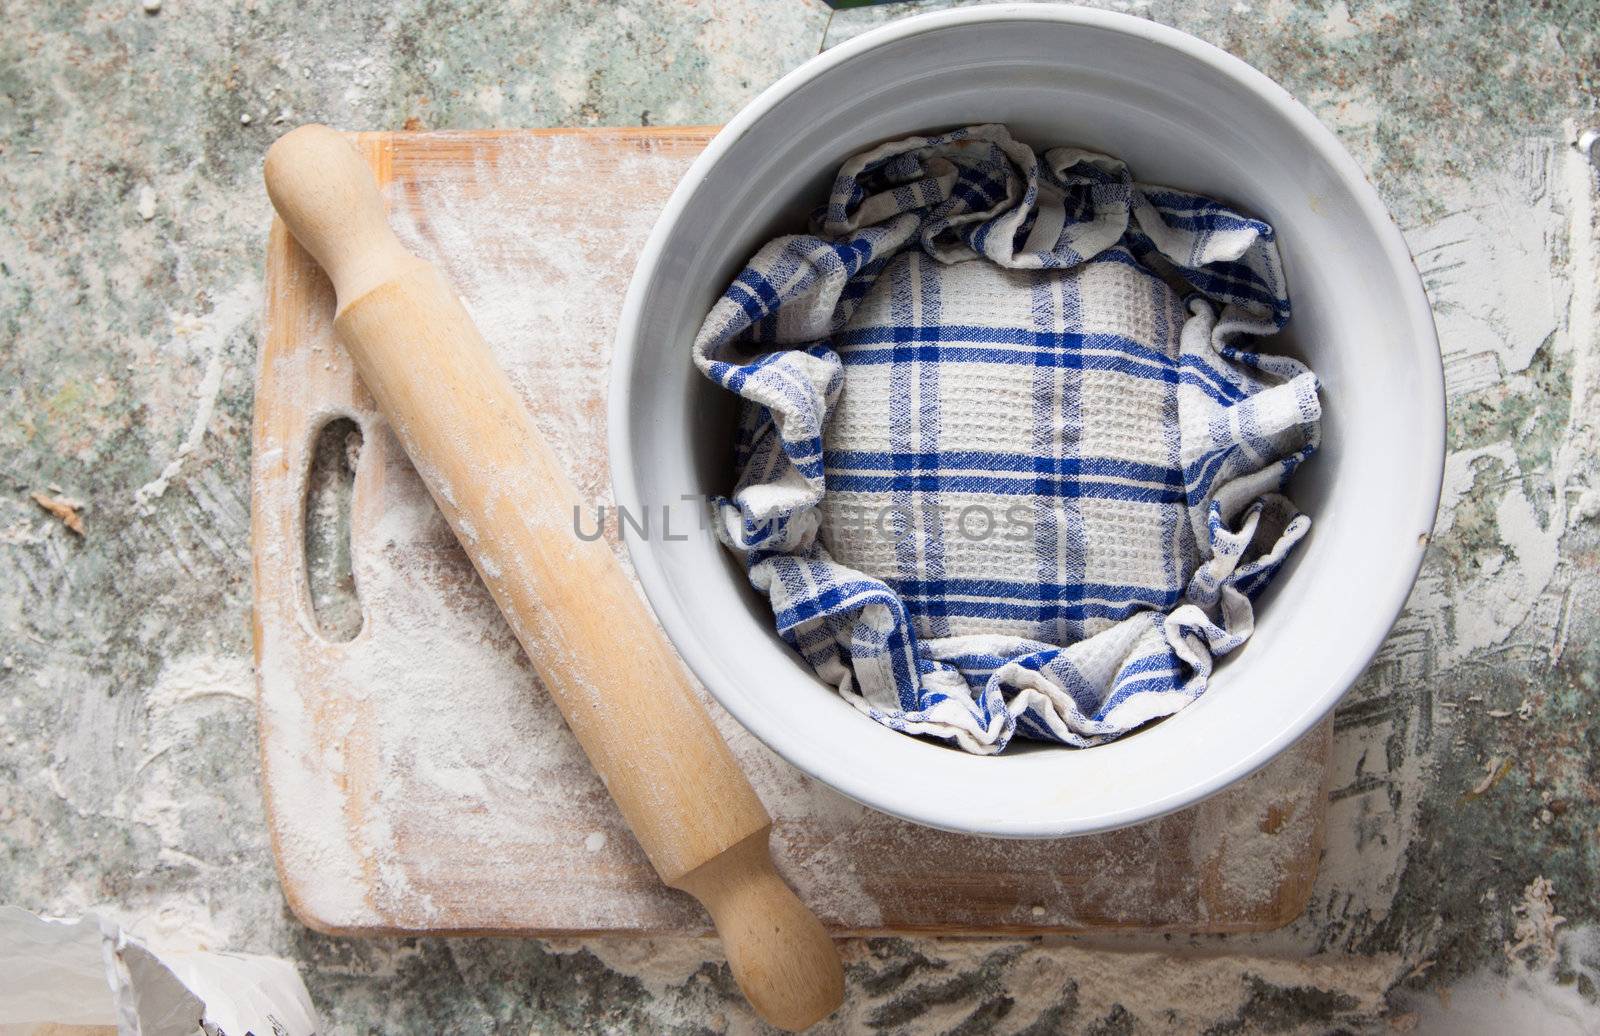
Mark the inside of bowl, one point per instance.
(1177, 119)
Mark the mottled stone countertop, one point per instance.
(1460, 879)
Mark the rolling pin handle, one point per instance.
(324, 191)
(779, 953)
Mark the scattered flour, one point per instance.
(189, 690)
(1169, 993)
(1535, 998)
(1497, 307)
(208, 335)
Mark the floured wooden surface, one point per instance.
(418, 779)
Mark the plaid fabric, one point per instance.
(1004, 467)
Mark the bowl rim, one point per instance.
(680, 627)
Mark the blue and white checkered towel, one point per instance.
(1003, 466)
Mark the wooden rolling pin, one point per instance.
(619, 684)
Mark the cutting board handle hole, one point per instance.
(330, 495)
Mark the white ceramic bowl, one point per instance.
(1181, 113)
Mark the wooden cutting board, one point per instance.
(417, 777)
